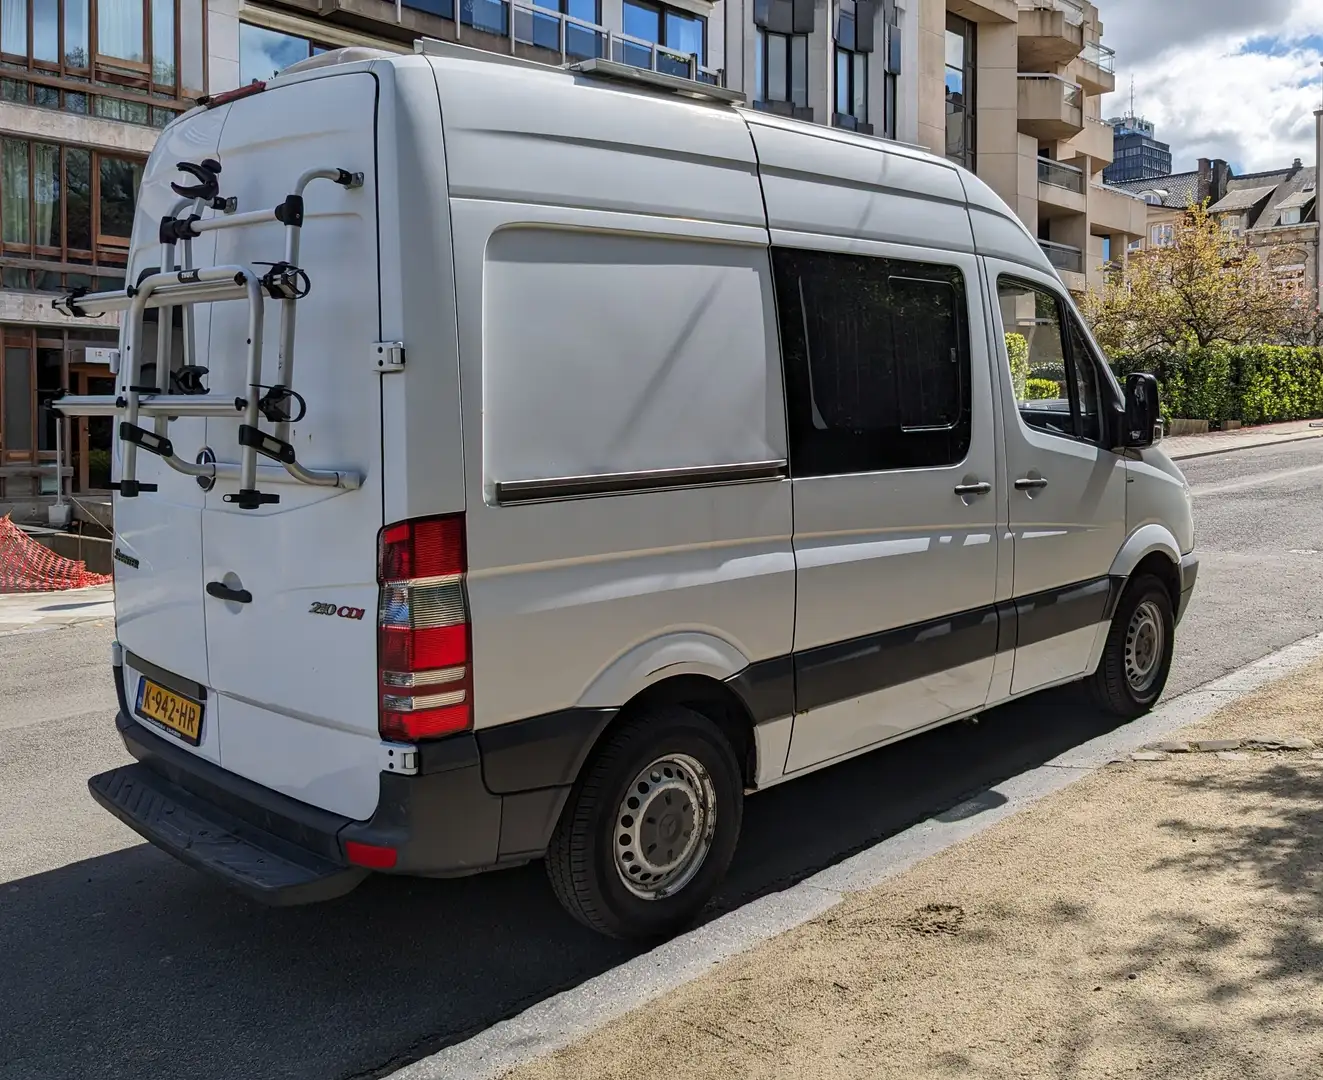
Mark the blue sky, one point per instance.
(1235, 79)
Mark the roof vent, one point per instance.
(351, 54)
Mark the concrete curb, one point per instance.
(560, 1020)
(1302, 437)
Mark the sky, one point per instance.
(1232, 79)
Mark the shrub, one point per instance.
(1042, 389)
(1017, 349)
(1256, 384)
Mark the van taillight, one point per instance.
(424, 658)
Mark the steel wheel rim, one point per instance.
(1145, 641)
(664, 826)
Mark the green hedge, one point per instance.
(1256, 384)
(1042, 390)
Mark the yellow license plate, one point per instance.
(180, 714)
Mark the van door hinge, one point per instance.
(388, 356)
(399, 758)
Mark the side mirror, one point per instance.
(1142, 414)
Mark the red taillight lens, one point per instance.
(372, 856)
(424, 655)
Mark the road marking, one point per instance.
(560, 1020)
(1258, 480)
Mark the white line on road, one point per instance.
(559, 1020)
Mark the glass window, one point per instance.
(163, 42)
(852, 84)
(643, 22)
(46, 30)
(1056, 387)
(781, 68)
(119, 193)
(877, 362)
(264, 53)
(119, 29)
(761, 91)
(18, 399)
(14, 27)
(46, 195)
(15, 193)
(960, 90)
(799, 70)
(50, 378)
(76, 48)
(684, 33)
(78, 185)
(778, 67)
(678, 30)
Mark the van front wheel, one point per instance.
(650, 828)
(1137, 657)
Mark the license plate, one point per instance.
(172, 711)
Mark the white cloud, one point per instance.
(1235, 79)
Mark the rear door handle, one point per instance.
(982, 488)
(1030, 483)
(224, 592)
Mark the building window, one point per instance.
(66, 215)
(781, 68)
(876, 362)
(544, 30)
(679, 31)
(1162, 235)
(852, 85)
(960, 91)
(264, 54)
(118, 59)
(1291, 216)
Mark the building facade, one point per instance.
(1013, 90)
(1138, 155)
(1009, 88)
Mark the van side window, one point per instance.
(877, 362)
(1052, 372)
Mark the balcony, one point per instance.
(1060, 189)
(1096, 68)
(1117, 212)
(1063, 256)
(1051, 33)
(1096, 140)
(1050, 107)
(513, 27)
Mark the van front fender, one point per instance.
(1142, 543)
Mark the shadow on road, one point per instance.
(132, 965)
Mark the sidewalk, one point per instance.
(1220, 442)
(47, 610)
(1158, 919)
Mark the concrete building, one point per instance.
(1138, 155)
(1013, 89)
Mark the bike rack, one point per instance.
(183, 286)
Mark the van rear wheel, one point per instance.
(650, 828)
(1137, 657)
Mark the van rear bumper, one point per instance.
(275, 849)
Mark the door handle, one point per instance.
(1030, 483)
(982, 488)
(223, 592)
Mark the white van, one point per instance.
(632, 451)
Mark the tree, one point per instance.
(1206, 287)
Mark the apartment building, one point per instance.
(1013, 89)
(1138, 153)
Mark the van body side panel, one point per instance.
(615, 333)
(423, 430)
(297, 689)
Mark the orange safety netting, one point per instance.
(27, 566)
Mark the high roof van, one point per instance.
(527, 463)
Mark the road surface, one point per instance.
(117, 961)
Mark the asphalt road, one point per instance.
(116, 961)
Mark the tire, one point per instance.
(1131, 676)
(690, 762)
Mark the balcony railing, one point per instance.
(1063, 256)
(1072, 93)
(576, 39)
(1073, 11)
(1095, 52)
(1059, 175)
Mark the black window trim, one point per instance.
(763, 45)
(964, 338)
